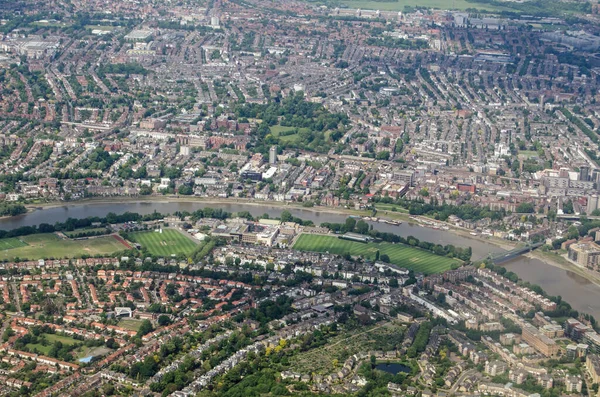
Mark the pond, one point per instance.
(393, 368)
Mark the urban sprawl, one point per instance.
(470, 118)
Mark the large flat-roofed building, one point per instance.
(539, 341)
(592, 363)
(407, 176)
(139, 35)
(585, 254)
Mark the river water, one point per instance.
(580, 293)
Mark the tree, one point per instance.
(8, 332)
(286, 216)
(362, 227)
(185, 190)
(145, 328)
(385, 258)
(384, 155)
(572, 232)
(527, 208)
(164, 320)
(350, 224)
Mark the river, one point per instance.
(579, 292)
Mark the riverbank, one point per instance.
(574, 287)
(555, 260)
(192, 199)
(394, 216)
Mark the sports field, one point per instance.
(10, 243)
(400, 254)
(167, 243)
(130, 324)
(46, 246)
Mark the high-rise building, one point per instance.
(584, 173)
(592, 204)
(273, 155)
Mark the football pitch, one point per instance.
(169, 242)
(400, 255)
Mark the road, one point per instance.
(461, 378)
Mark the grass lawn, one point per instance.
(45, 246)
(65, 340)
(168, 242)
(33, 347)
(277, 130)
(10, 243)
(400, 254)
(390, 207)
(528, 153)
(130, 324)
(440, 4)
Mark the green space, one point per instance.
(130, 324)
(330, 357)
(288, 135)
(317, 128)
(44, 348)
(528, 153)
(169, 242)
(10, 243)
(390, 207)
(48, 245)
(401, 255)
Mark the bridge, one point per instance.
(506, 256)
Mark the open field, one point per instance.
(130, 324)
(45, 246)
(528, 153)
(51, 338)
(400, 255)
(390, 207)
(10, 243)
(167, 243)
(38, 347)
(280, 131)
